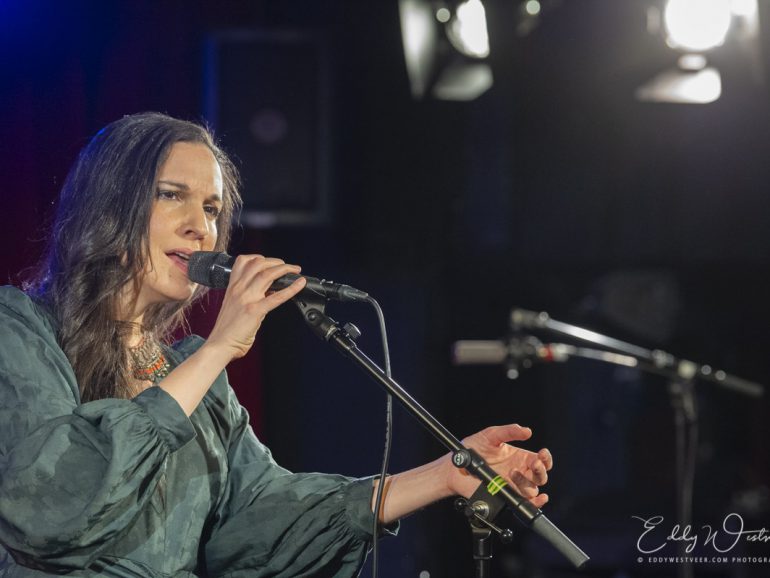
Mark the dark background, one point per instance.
(554, 191)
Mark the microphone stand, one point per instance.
(682, 392)
(681, 374)
(343, 339)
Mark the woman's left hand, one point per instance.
(526, 471)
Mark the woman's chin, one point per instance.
(178, 294)
(186, 294)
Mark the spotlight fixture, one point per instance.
(445, 47)
(467, 31)
(696, 25)
(694, 29)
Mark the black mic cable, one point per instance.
(388, 439)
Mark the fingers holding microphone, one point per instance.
(253, 275)
(248, 300)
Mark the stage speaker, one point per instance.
(267, 97)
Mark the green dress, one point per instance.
(133, 487)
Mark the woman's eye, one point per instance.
(212, 210)
(165, 194)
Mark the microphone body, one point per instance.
(213, 269)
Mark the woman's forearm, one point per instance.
(409, 491)
(189, 382)
(524, 470)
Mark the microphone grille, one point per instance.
(210, 268)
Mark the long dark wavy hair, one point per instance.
(100, 244)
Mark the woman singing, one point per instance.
(123, 456)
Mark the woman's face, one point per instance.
(188, 198)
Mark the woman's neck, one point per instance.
(135, 338)
(136, 322)
(131, 312)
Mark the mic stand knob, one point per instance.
(353, 331)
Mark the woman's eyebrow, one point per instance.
(175, 184)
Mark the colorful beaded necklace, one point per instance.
(149, 363)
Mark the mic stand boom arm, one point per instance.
(328, 330)
(656, 360)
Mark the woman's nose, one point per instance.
(196, 224)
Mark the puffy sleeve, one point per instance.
(73, 477)
(272, 522)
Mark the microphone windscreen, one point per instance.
(210, 268)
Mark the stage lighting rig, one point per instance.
(446, 45)
(695, 29)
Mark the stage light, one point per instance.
(445, 47)
(697, 25)
(419, 39)
(683, 86)
(468, 30)
(695, 29)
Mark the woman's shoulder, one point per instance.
(16, 303)
(14, 298)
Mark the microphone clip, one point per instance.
(313, 310)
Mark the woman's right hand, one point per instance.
(247, 301)
(245, 305)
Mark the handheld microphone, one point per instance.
(213, 269)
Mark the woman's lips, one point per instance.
(178, 261)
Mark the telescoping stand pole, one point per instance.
(328, 330)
